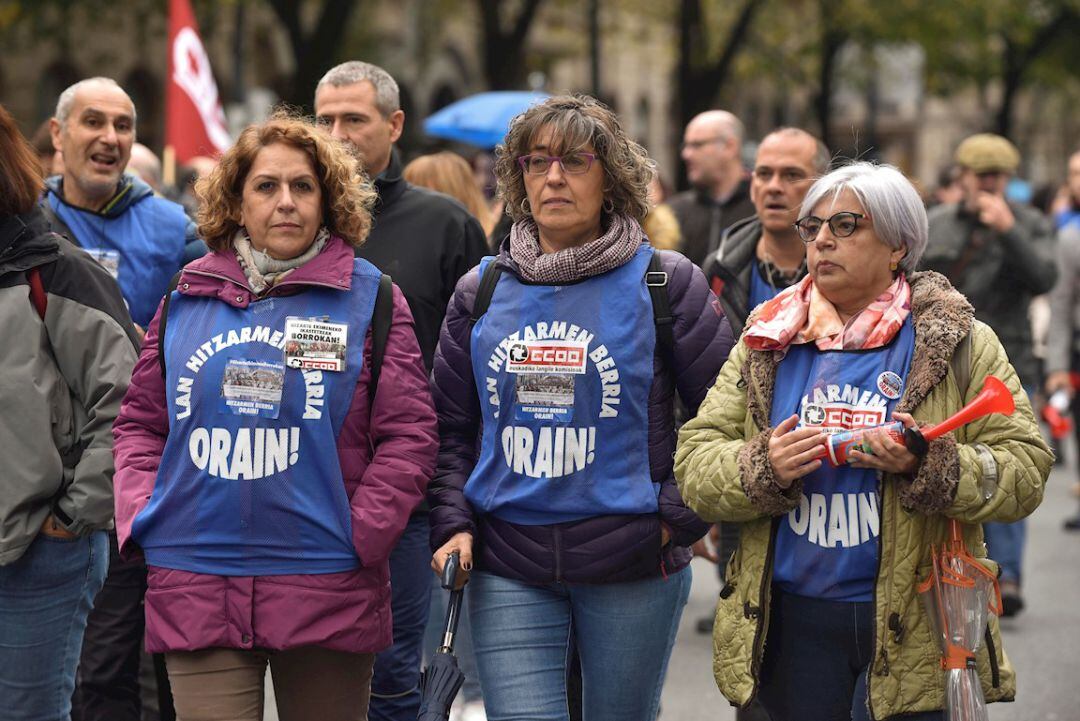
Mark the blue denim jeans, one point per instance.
(1005, 544)
(463, 646)
(523, 635)
(45, 597)
(395, 684)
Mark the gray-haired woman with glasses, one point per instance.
(819, 617)
(554, 381)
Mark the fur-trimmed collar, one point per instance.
(942, 318)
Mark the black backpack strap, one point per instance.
(162, 321)
(488, 281)
(56, 223)
(381, 319)
(656, 279)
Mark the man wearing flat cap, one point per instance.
(1000, 255)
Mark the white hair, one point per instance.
(888, 197)
(387, 95)
(67, 98)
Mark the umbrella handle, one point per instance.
(453, 615)
(453, 580)
(454, 577)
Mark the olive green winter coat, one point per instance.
(990, 470)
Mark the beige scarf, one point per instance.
(261, 270)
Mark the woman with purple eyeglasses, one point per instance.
(555, 381)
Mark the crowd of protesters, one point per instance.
(541, 361)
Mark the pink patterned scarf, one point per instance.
(801, 314)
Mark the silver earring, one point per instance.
(609, 206)
(525, 206)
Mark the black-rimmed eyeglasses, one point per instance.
(572, 163)
(842, 225)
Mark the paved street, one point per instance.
(1043, 641)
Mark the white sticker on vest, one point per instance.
(548, 356)
(315, 344)
(253, 388)
(544, 396)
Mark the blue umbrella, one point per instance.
(481, 120)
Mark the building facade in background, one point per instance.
(880, 108)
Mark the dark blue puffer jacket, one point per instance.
(601, 549)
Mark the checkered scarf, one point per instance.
(614, 248)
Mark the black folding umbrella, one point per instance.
(442, 678)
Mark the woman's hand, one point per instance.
(793, 453)
(889, 456)
(54, 530)
(460, 542)
(702, 549)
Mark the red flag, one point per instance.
(194, 120)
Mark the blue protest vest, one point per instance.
(148, 237)
(828, 546)
(564, 373)
(247, 486)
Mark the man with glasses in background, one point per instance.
(1000, 255)
(761, 255)
(720, 196)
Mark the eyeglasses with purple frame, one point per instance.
(572, 163)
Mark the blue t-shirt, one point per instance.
(828, 547)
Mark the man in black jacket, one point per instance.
(761, 255)
(999, 254)
(711, 150)
(425, 241)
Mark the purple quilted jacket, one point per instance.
(601, 549)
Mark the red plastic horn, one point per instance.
(993, 398)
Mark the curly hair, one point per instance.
(577, 121)
(347, 195)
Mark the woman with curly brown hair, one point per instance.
(258, 469)
(554, 381)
